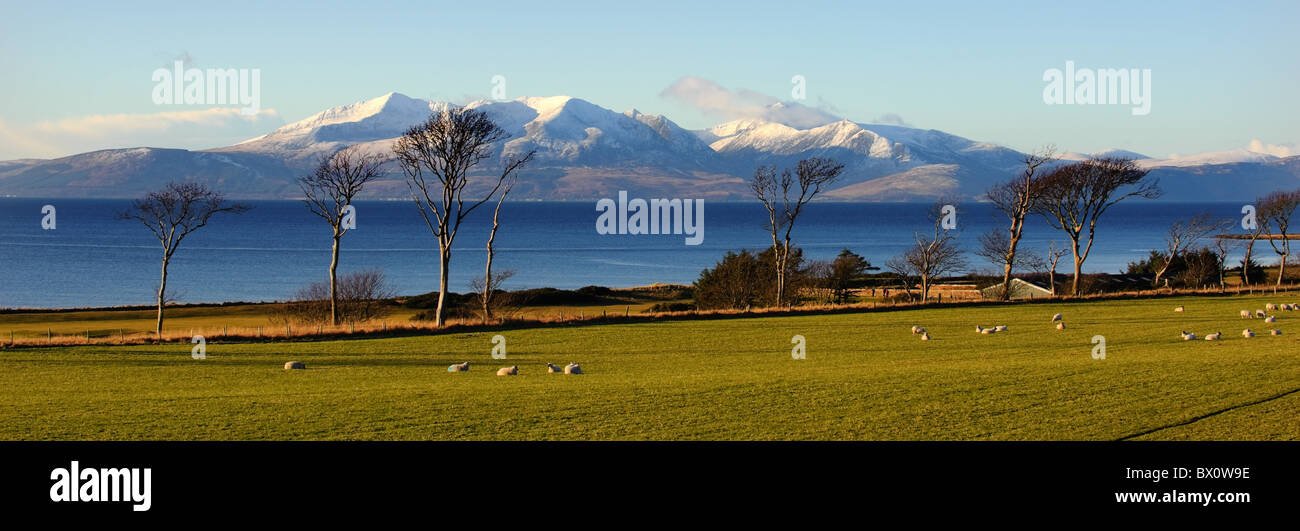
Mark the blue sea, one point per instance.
(92, 259)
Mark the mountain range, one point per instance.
(585, 152)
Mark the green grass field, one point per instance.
(865, 377)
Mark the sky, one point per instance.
(1224, 75)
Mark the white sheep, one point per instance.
(917, 330)
(1275, 332)
(508, 371)
(1188, 336)
(1178, 309)
(1060, 325)
(1247, 333)
(1000, 328)
(988, 331)
(1260, 313)
(572, 368)
(925, 336)
(1270, 307)
(459, 367)
(1056, 318)
(552, 369)
(1270, 319)
(1245, 314)
(979, 329)
(1214, 337)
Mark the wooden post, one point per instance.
(49, 335)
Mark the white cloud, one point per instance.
(189, 129)
(719, 102)
(1277, 150)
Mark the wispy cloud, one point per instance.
(1277, 150)
(719, 102)
(191, 129)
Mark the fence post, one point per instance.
(49, 335)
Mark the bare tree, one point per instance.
(1182, 235)
(1222, 247)
(1014, 199)
(1054, 257)
(933, 256)
(490, 283)
(173, 213)
(1275, 211)
(488, 289)
(809, 176)
(1073, 197)
(1252, 234)
(328, 192)
(438, 157)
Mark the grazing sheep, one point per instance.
(1214, 337)
(552, 369)
(1270, 307)
(1260, 313)
(1188, 336)
(925, 336)
(1247, 333)
(1056, 318)
(917, 330)
(1000, 328)
(459, 367)
(1245, 314)
(1060, 325)
(1270, 319)
(508, 371)
(1275, 332)
(1178, 309)
(988, 331)
(572, 368)
(294, 365)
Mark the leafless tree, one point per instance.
(1252, 235)
(328, 192)
(933, 256)
(490, 282)
(1275, 211)
(1054, 257)
(1222, 247)
(173, 213)
(438, 157)
(1014, 199)
(784, 197)
(1182, 235)
(488, 291)
(1073, 197)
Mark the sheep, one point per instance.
(925, 336)
(572, 368)
(917, 330)
(1214, 337)
(1188, 336)
(1060, 325)
(1247, 333)
(1056, 318)
(1270, 307)
(292, 365)
(1260, 313)
(1178, 309)
(1270, 319)
(508, 371)
(459, 367)
(1000, 328)
(988, 331)
(979, 329)
(1245, 314)
(552, 369)
(1275, 332)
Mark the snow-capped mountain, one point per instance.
(585, 151)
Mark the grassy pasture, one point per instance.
(865, 377)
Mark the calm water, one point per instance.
(93, 259)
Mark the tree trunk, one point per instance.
(1245, 263)
(162, 291)
(334, 282)
(1281, 271)
(444, 260)
(487, 278)
(1078, 267)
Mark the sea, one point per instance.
(91, 258)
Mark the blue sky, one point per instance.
(77, 76)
